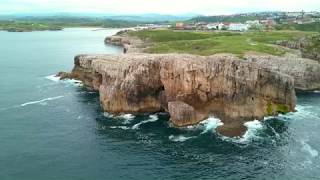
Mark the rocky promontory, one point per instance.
(190, 88)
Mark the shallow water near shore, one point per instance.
(51, 129)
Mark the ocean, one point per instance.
(56, 130)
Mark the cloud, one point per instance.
(157, 6)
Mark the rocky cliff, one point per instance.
(191, 88)
(129, 44)
(306, 72)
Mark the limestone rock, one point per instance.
(191, 88)
(129, 44)
(306, 72)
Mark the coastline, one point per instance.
(188, 104)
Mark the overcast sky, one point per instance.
(208, 7)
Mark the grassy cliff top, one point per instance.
(208, 43)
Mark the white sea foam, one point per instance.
(53, 78)
(253, 127)
(251, 133)
(206, 125)
(274, 132)
(41, 101)
(108, 115)
(152, 118)
(127, 118)
(179, 138)
(119, 127)
(307, 148)
(56, 78)
(211, 124)
(316, 91)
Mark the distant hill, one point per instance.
(153, 17)
(70, 21)
(125, 17)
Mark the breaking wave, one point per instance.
(179, 138)
(53, 78)
(206, 125)
(307, 148)
(69, 81)
(119, 127)
(126, 117)
(253, 128)
(210, 124)
(41, 101)
(108, 115)
(152, 118)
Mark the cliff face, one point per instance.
(306, 72)
(191, 88)
(129, 44)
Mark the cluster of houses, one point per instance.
(228, 26)
(225, 25)
(267, 20)
(299, 17)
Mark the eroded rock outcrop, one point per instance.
(309, 46)
(129, 44)
(306, 72)
(191, 88)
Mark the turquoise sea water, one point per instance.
(56, 130)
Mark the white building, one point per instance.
(238, 27)
(213, 26)
(294, 14)
(253, 23)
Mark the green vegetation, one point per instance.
(283, 109)
(81, 21)
(280, 108)
(58, 23)
(269, 109)
(23, 26)
(209, 43)
(167, 35)
(300, 27)
(315, 40)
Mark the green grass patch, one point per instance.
(169, 35)
(283, 109)
(209, 43)
(300, 27)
